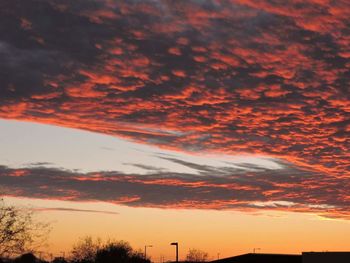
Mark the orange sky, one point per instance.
(226, 232)
(161, 110)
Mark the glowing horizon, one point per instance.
(162, 226)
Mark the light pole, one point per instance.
(255, 249)
(146, 250)
(177, 250)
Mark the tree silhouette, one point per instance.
(88, 250)
(19, 231)
(85, 250)
(26, 258)
(59, 260)
(114, 252)
(196, 255)
(119, 251)
(139, 257)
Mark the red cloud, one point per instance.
(215, 188)
(232, 76)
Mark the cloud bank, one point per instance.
(233, 76)
(246, 187)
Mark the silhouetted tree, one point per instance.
(89, 251)
(139, 257)
(117, 251)
(59, 260)
(196, 255)
(26, 258)
(85, 250)
(19, 231)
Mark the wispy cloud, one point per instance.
(65, 209)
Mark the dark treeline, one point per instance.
(90, 251)
(21, 234)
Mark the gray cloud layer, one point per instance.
(262, 77)
(228, 187)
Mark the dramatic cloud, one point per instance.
(244, 187)
(228, 76)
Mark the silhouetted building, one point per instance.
(261, 258)
(326, 257)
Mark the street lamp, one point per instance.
(255, 249)
(146, 250)
(177, 250)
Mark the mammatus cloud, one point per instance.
(244, 187)
(227, 76)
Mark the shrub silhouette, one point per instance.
(120, 252)
(59, 260)
(85, 250)
(196, 255)
(114, 252)
(88, 250)
(26, 258)
(138, 257)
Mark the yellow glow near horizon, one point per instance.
(226, 232)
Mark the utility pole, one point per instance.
(146, 246)
(177, 250)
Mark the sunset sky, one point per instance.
(221, 124)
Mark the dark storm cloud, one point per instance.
(23, 71)
(228, 76)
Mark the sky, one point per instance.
(223, 124)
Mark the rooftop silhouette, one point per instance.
(261, 258)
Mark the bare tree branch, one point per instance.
(19, 231)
